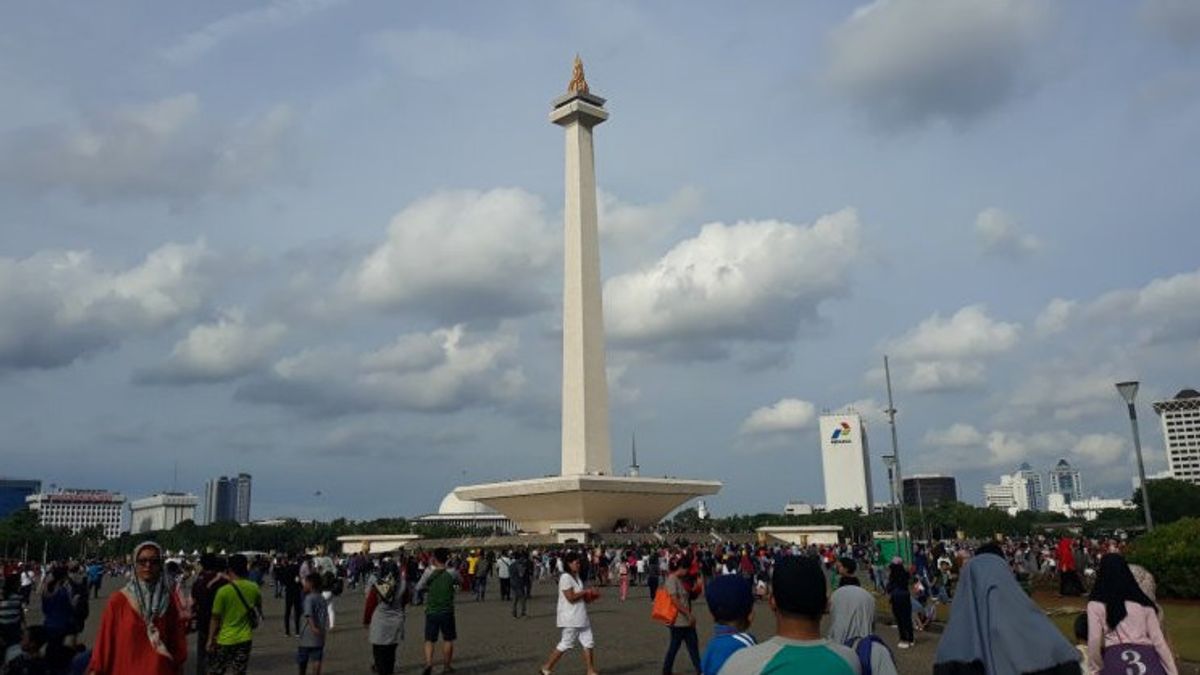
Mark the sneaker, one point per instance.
(904, 645)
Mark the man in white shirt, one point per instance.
(573, 617)
(503, 565)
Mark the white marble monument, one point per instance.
(586, 497)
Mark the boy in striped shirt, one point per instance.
(731, 601)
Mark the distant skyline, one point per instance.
(320, 242)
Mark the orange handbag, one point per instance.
(664, 610)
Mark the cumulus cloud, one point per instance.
(949, 353)
(1165, 308)
(219, 351)
(909, 62)
(625, 223)
(1178, 20)
(789, 414)
(442, 371)
(164, 149)
(1066, 393)
(194, 45)
(751, 281)
(1055, 317)
(957, 435)
(1000, 236)
(59, 306)
(460, 255)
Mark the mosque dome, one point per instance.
(453, 506)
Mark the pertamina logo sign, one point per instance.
(841, 434)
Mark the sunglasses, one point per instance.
(149, 562)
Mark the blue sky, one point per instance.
(320, 241)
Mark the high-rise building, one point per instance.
(242, 505)
(846, 462)
(929, 490)
(1065, 480)
(13, 492)
(1000, 495)
(227, 499)
(1180, 418)
(79, 509)
(1019, 491)
(161, 511)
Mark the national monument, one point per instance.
(586, 496)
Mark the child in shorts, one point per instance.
(312, 632)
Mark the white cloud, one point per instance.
(277, 13)
(1066, 393)
(957, 435)
(1100, 449)
(789, 414)
(949, 354)
(59, 306)
(969, 333)
(1165, 308)
(751, 281)
(163, 149)
(944, 376)
(908, 62)
(999, 236)
(442, 371)
(460, 255)
(1055, 317)
(624, 223)
(872, 411)
(221, 350)
(1178, 20)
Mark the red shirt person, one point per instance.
(142, 629)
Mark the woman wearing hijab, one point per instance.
(852, 623)
(996, 629)
(1124, 634)
(384, 614)
(141, 630)
(898, 594)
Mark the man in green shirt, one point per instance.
(230, 632)
(439, 609)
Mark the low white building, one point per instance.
(801, 535)
(468, 514)
(797, 509)
(79, 509)
(1088, 508)
(161, 511)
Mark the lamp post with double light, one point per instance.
(1128, 391)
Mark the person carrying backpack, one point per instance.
(852, 623)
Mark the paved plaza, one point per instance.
(491, 641)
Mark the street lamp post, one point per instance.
(890, 462)
(1128, 391)
(898, 481)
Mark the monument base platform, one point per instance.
(597, 503)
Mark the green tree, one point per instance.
(1170, 500)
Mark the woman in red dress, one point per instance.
(142, 629)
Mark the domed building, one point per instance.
(465, 513)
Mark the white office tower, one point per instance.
(1019, 491)
(1180, 418)
(161, 511)
(1065, 481)
(846, 462)
(79, 509)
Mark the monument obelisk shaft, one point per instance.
(585, 434)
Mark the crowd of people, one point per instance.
(214, 606)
